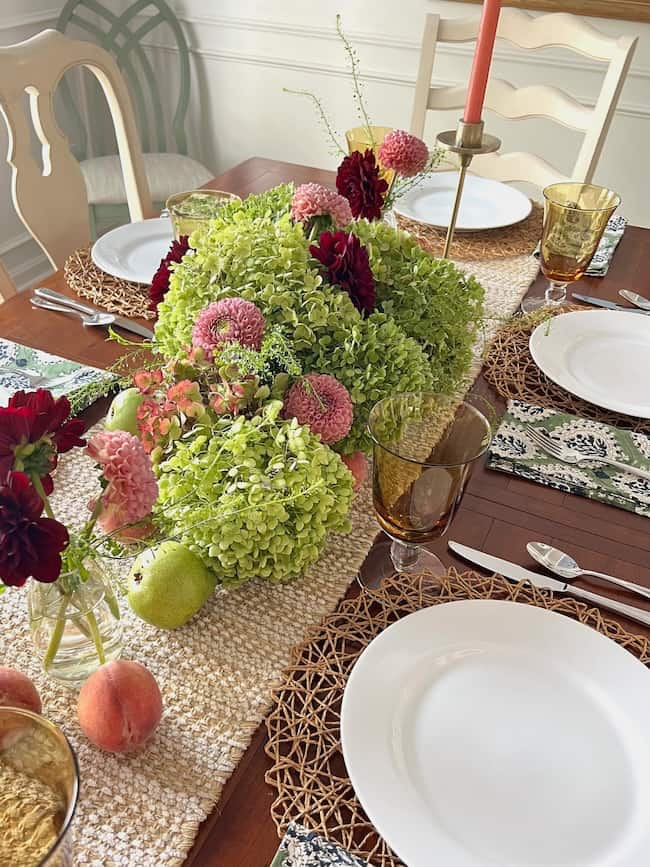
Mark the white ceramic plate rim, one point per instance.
(370, 724)
(107, 251)
(511, 205)
(550, 341)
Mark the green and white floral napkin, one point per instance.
(512, 451)
(26, 369)
(304, 848)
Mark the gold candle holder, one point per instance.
(468, 141)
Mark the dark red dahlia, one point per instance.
(29, 544)
(160, 282)
(358, 180)
(347, 265)
(34, 428)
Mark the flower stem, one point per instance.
(57, 634)
(96, 636)
(40, 490)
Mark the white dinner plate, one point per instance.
(484, 732)
(602, 356)
(133, 252)
(486, 204)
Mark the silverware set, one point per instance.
(48, 299)
(641, 304)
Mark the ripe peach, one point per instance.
(17, 690)
(119, 706)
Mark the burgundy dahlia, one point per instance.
(160, 281)
(348, 266)
(29, 544)
(358, 180)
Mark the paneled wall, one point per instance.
(245, 51)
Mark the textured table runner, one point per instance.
(216, 673)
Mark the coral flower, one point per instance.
(314, 200)
(323, 404)
(348, 266)
(29, 544)
(231, 320)
(358, 180)
(160, 280)
(34, 429)
(131, 488)
(358, 466)
(404, 153)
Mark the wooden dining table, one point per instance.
(499, 513)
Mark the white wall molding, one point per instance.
(29, 19)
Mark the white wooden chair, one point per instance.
(49, 194)
(526, 31)
(7, 286)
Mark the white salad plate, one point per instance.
(487, 732)
(133, 252)
(602, 356)
(486, 204)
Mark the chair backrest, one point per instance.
(522, 29)
(49, 194)
(7, 286)
(121, 35)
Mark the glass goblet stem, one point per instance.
(403, 555)
(555, 293)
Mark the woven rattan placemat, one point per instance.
(111, 293)
(308, 771)
(503, 243)
(509, 367)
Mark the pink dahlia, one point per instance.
(232, 320)
(314, 200)
(323, 404)
(131, 488)
(358, 466)
(404, 153)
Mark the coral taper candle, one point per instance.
(482, 59)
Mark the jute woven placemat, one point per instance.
(509, 367)
(117, 296)
(308, 771)
(520, 239)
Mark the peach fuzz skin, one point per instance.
(119, 706)
(17, 690)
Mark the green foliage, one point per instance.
(254, 497)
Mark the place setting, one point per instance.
(335, 551)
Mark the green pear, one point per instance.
(123, 411)
(168, 584)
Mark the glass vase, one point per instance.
(75, 623)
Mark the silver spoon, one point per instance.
(566, 567)
(635, 298)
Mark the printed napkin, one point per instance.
(304, 848)
(599, 265)
(26, 369)
(513, 451)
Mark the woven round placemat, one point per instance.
(514, 240)
(509, 367)
(115, 295)
(308, 771)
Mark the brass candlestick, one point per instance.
(467, 141)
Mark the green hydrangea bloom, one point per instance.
(254, 497)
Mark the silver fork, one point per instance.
(567, 455)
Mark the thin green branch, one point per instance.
(323, 116)
(356, 79)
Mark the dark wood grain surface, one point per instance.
(499, 513)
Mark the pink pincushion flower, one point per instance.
(231, 320)
(323, 404)
(314, 200)
(358, 466)
(404, 153)
(131, 488)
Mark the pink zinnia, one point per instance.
(131, 488)
(232, 320)
(404, 153)
(323, 404)
(358, 466)
(314, 200)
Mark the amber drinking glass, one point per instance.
(575, 217)
(363, 137)
(193, 209)
(424, 448)
(39, 787)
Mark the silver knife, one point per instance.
(72, 304)
(610, 305)
(514, 572)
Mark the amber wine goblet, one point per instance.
(575, 217)
(424, 448)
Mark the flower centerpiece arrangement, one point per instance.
(73, 613)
